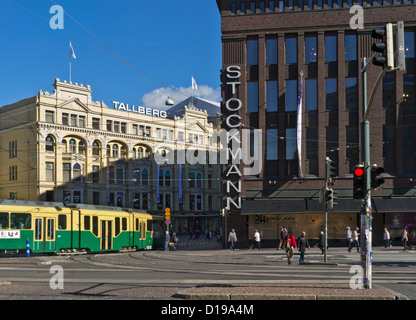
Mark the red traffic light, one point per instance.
(358, 172)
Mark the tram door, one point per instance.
(106, 235)
(44, 235)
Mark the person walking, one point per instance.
(290, 244)
(386, 238)
(350, 240)
(303, 244)
(283, 234)
(321, 244)
(405, 238)
(256, 240)
(356, 243)
(232, 238)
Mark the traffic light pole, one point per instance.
(366, 210)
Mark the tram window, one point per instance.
(124, 223)
(4, 220)
(117, 227)
(21, 220)
(149, 226)
(95, 225)
(38, 229)
(87, 223)
(62, 222)
(137, 224)
(143, 233)
(51, 229)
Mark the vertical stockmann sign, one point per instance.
(242, 144)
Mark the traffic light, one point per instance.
(330, 171)
(167, 216)
(358, 190)
(225, 211)
(385, 47)
(376, 176)
(329, 197)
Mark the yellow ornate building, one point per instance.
(65, 147)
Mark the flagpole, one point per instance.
(69, 68)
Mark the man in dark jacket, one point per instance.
(303, 244)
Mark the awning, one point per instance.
(286, 206)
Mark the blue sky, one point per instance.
(170, 41)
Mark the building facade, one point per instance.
(65, 147)
(267, 45)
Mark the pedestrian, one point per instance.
(386, 238)
(290, 244)
(283, 234)
(303, 244)
(256, 240)
(355, 242)
(350, 239)
(321, 244)
(167, 240)
(405, 238)
(232, 238)
(174, 239)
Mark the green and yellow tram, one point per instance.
(76, 229)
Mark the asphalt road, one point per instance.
(159, 274)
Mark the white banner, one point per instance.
(9, 234)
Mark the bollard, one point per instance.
(27, 248)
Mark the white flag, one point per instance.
(299, 126)
(194, 85)
(71, 51)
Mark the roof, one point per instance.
(213, 108)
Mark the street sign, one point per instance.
(167, 222)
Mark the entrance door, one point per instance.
(44, 235)
(106, 235)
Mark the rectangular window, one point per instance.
(389, 142)
(311, 94)
(330, 48)
(242, 7)
(49, 116)
(135, 129)
(350, 47)
(252, 52)
(62, 222)
(291, 146)
(291, 95)
(271, 51)
(252, 7)
(123, 127)
(81, 121)
(291, 50)
(351, 93)
(311, 50)
(331, 94)
(233, 8)
(116, 126)
(4, 220)
(409, 44)
(271, 144)
(109, 125)
(73, 120)
(281, 5)
(87, 223)
(271, 6)
(66, 167)
(95, 174)
(117, 227)
(65, 119)
(271, 91)
(262, 6)
(253, 96)
(95, 226)
(21, 221)
(96, 123)
(49, 171)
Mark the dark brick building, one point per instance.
(271, 43)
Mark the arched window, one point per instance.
(95, 148)
(134, 154)
(76, 171)
(115, 151)
(145, 177)
(108, 150)
(73, 146)
(146, 153)
(140, 153)
(49, 142)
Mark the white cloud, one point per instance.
(157, 98)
